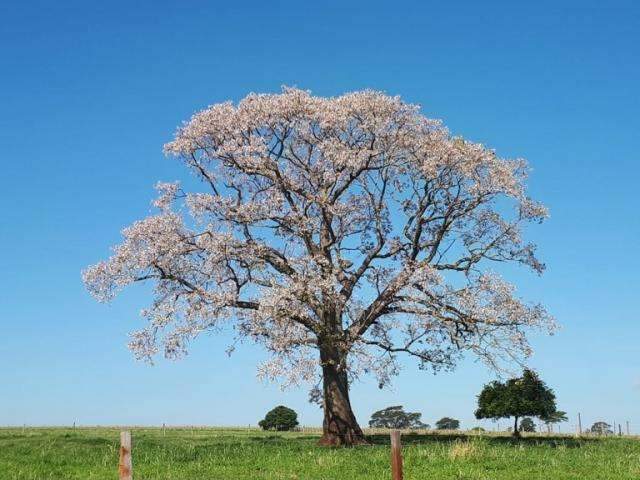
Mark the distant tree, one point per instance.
(395, 417)
(280, 418)
(478, 429)
(517, 397)
(601, 428)
(527, 425)
(446, 423)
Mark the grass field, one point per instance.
(186, 454)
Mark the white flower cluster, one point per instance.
(352, 225)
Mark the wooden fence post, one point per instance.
(125, 467)
(396, 456)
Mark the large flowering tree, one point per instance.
(337, 232)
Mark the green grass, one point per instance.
(185, 454)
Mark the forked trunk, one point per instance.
(340, 426)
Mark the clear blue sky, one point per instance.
(90, 91)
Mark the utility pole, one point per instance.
(579, 424)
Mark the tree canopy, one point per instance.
(395, 417)
(281, 418)
(518, 397)
(555, 417)
(447, 423)
(527, 425)
(339, 233)
(601, 428)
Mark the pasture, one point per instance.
(244, 454)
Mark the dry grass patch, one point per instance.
(464, 450)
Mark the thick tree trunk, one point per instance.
(340, 426)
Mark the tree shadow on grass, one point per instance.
(271, 439)
(444, 438)
(550, 441)
(86, 441)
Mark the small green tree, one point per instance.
(280, 418)
(447, 423)
(517, 397)
(395, 417)
(527, 425)
(601, 428)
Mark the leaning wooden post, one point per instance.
(396, 456)
(125, 468)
